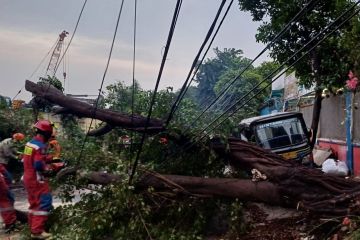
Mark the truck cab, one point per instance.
(283, 133)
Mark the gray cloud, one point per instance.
(29, 28)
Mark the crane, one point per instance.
(54, 59)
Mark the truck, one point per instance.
(284, 133)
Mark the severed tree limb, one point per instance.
(286, 194)
(62, 110)
(101, 178)
(68, 171)
(309, 189)
(245, 190)
(288, 184)
(101, 130)
(113, 118)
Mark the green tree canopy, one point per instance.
(218, 72)
(328, 64)
(210, 71)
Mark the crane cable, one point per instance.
(37, 68)
(102, 82)
(184, 148)
(170, 35)
(43, 59)
(64, 69)
(72, 36)
(306, 8)
(195, 62)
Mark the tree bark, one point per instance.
(86, 110)
(309, 189)
(316, 116)
(316, 68)
(245, 190)
(101, 130)
(287, 183)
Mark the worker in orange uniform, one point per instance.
(8, 151)
(36, 184)
(54, 149)
(55, 164)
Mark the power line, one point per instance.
(184, 148)
(306, 8)
(43, 59)
(72, 36)
(102, 81)
(133, 76)
(204, 55)
(171, 32)
(289, 67)
(195, 62)
(282, 65)
(59, 61)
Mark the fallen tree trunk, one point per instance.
(287, 183)
(243, 189)
(314, 194)
(82, 109)
(301, 187)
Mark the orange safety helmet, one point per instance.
(18, 136)
(44, 125)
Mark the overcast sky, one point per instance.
(28, 29)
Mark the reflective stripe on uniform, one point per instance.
(38, 213)
(7, 209)
(29, 144)
(28, 150)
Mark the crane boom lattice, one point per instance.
(54, 59)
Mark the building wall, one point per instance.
(333, 116)
(356, 118)
(332, 120)
(307, 112)
(84, 123)
(332, 131)
(339, 147)
(55, 119)
(357, 160)
(291, 89)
